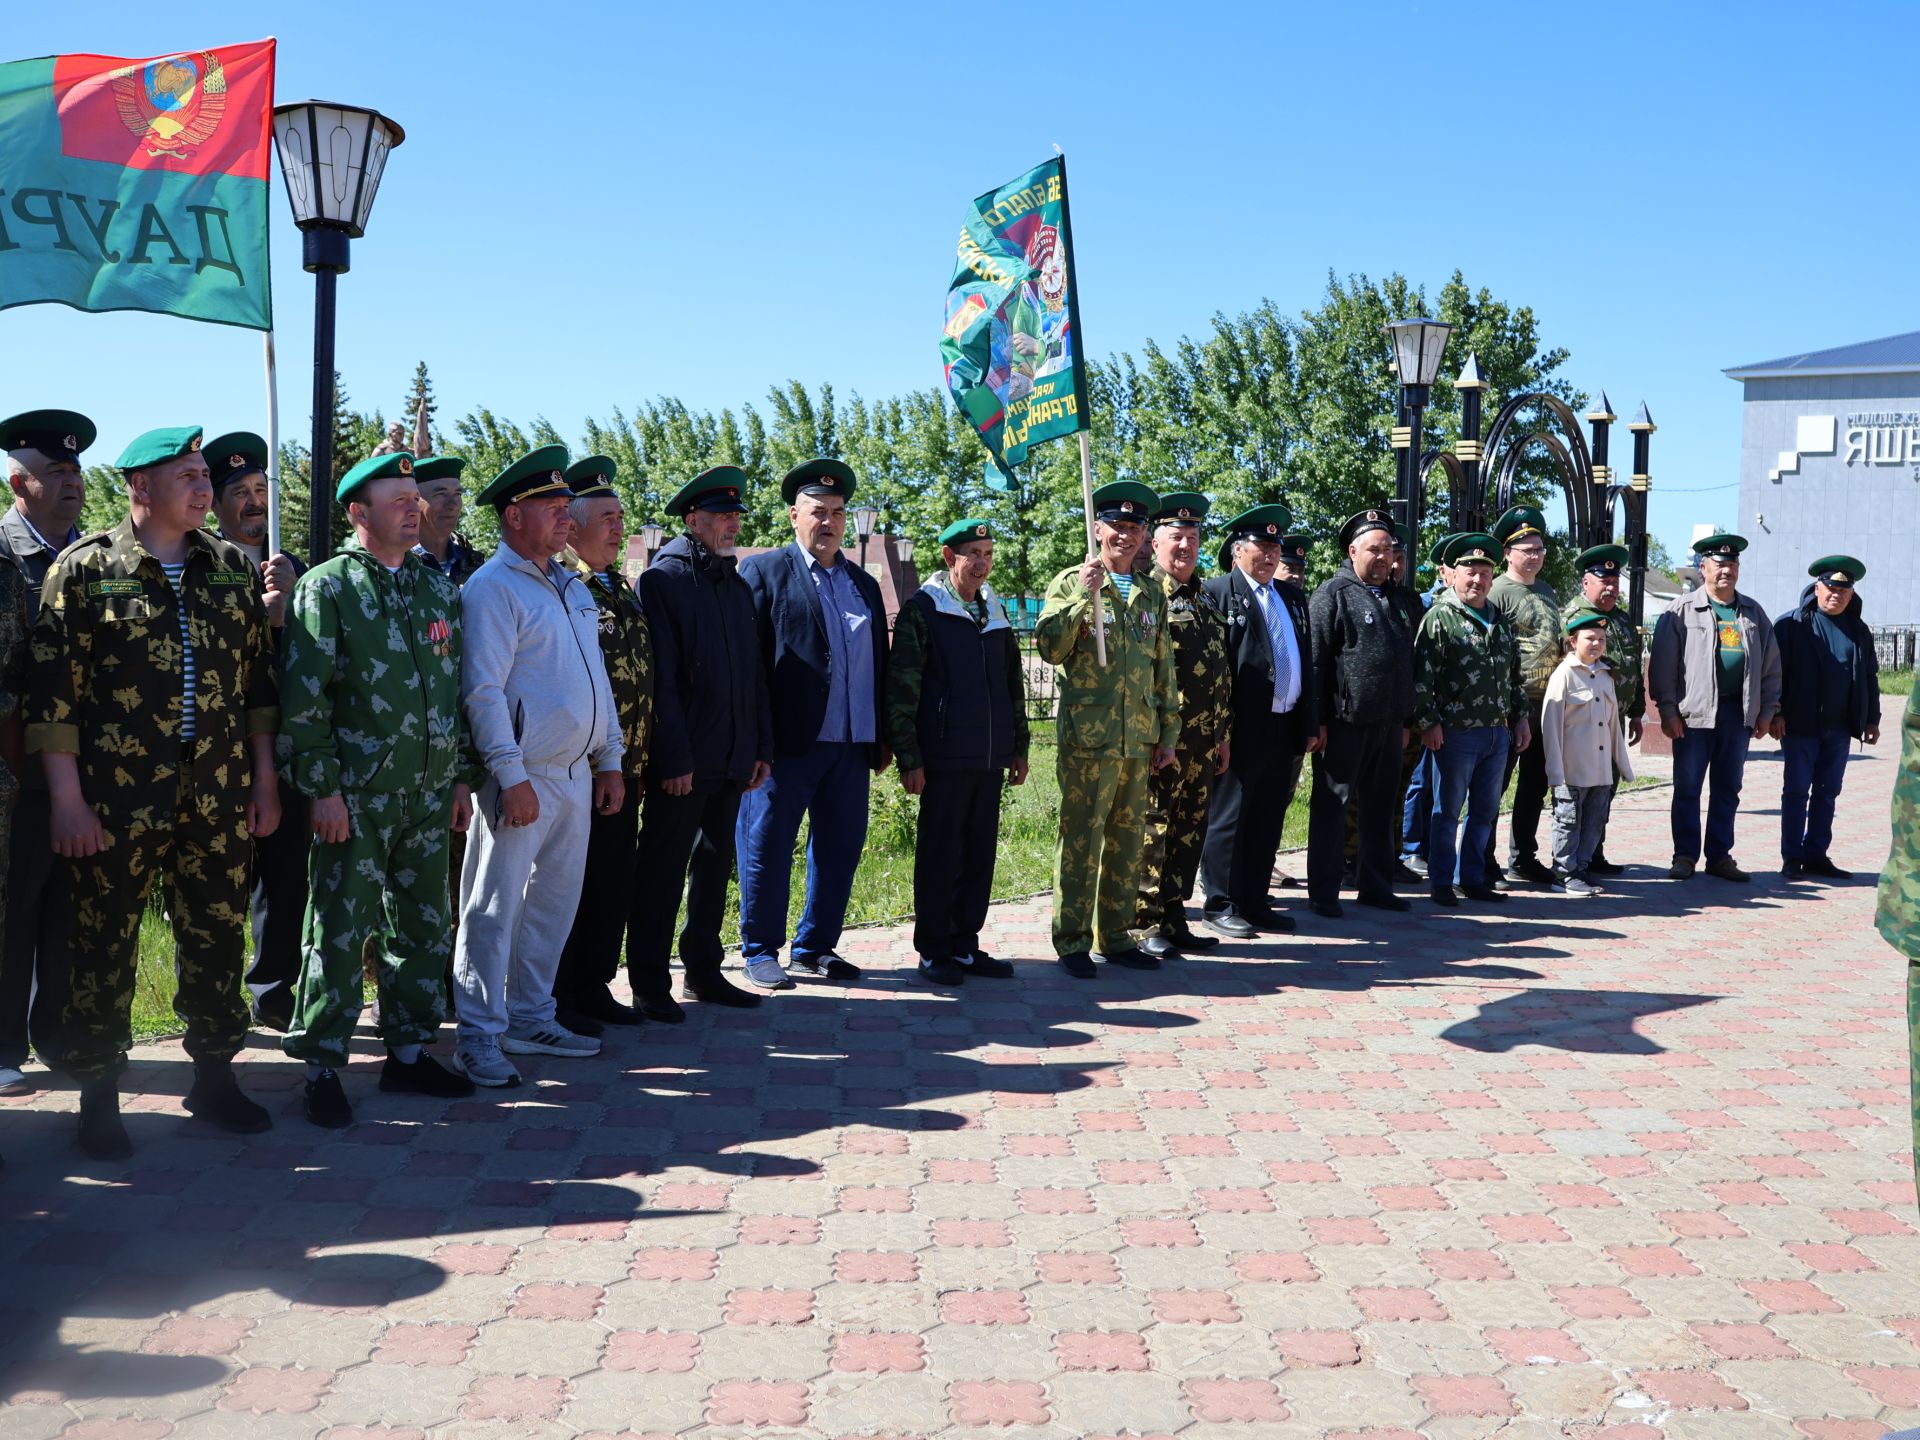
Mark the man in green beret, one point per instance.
(1178, 794)
(1602, 567)
(442, 547)
(592, 955)
(956, 717)
(1714, 675)
(1829, 696)
(152, 705)
(373, 734)
(1531, 608)
(1117, 723)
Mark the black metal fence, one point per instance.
(1897, 646)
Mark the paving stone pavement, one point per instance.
(1633, 1167)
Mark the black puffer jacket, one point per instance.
(1362, 652)
(711, 718)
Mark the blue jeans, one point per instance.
(1816, 768)
(1416, 814)
(827, 786)
(1717, 756)
(1472, 765)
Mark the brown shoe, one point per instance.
(1725, 869)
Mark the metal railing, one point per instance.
(1896, 646)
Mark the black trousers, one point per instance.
(1529, 796)
(1248, 814)
(953, 856)
(279, 906)
(685, 841)
(1359, 768)
(36, 961)
(592, 955)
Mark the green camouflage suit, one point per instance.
(1110, 720)
(1466, 675)
(106, 686)
(627, 647)
(370, 711)
(1898, 914)
(1177, 795)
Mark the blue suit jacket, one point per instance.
(793, 644)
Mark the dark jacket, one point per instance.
(1808, 667)
(956, 697)
(710, 716)
(793, 644)
(1362, 652)
(1252, 658)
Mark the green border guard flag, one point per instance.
(1012, 345)
(139, 184)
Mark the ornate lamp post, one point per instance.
(864, 517)
(1642, 428)
(331, 157)
(1418, 346)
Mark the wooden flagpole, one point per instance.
(273, 450)
(1093, 548)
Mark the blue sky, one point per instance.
(600, 203)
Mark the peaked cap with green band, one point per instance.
(1837, 570)
(961, 531)
(1471, 546)
(156, 447)
(231, 456)
(1586, 620)
(591, 477)
(1519, 522)
(717, 489)
(374, 467)
(824, 476)
(1268, 523)
(534, 476)
(438, 467)
(1723, 546)
(1602, 559)
(1124, 502)
(56, 434)
(1293, 549)
(1438, 555)
(1181, 507)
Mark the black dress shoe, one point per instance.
(1826, 869)
(1132, 958)
(1443, 895)
(828, 966)
(425, 1076)
(1600, 865)
(1329, 908)
(1230, 925)
(1792, 869)
(1388, 901)
(1406, 874)
(663, 1010)
(1271, 920)
(101, 1134)
(1681, 868)
(1531, 870)
(216, 1099)
(1159, 947)
(597, 1003)
(1185, 938)
(1485, 894)
(1079, 964)
(325, 1102)
(578, 1021)
(718, 991)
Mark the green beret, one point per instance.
(1471, 545)
(231, 456)
(961, 531)
(717, 489)
(374, 467)
(1586, 620)
(1724, 545)
(156, 447)
(1518, 523)
(1438, 555)
(1181, 507)
(56, 434)
(533, 476)
(438, 467)
(818, 477)
(592, 476)
(1377, 517)
(1602, 559)
(1837, 570)
(1124, 500)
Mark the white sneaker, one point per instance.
(480, 1061)
(768, 973)
(14, 1081)
(550, 1038)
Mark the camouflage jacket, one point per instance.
(626, 645)
(1466, 669)
(370, 694)
(1202, 667)
(1626, 656)
(1898, 913)
(108, 671)
(1133, 704)
(463, 561)
(14, 632)
(1532, 613)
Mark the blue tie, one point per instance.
(1269, 611)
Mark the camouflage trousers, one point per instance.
(383, 888)
(199, 852)
(1177, 798)
(1096, 867)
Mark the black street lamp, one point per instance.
(864, 518)
(331, 157)
(1418, 346)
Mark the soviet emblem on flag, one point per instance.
(173, 105)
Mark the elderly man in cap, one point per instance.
(1470, 708)
(1276, 722)
(152, 704)
(823, 635)
(1118, 722)
(547, 732)
(592, 955)
(712, 743)
(1714, 676)
(373, 732)
(1177, 795)
(1363, 676)
(956, 715)
(1601, 568)
(42, 449)
(1531, 608)
(442, 548)
(1829, 694)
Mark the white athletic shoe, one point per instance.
(550, 1038)
(480, 1061)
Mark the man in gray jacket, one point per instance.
(1714, 676)
(543, 720)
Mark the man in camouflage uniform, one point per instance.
(1469, 706)
(1177, 794)
(1600, 571)
(1898, 912)
(1531, 609)
(373, 734)
(442, 548)
(151, 703)
(1116, 723)
(592, 955)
